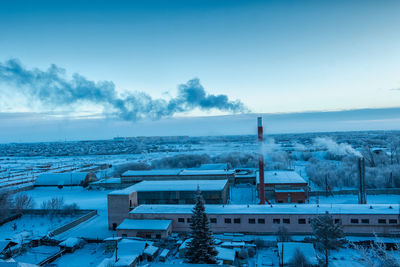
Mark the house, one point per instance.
(226, 255)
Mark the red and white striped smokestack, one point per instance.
(261, 184)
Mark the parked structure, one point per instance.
(368, 220)
(284, 186)
(120, 202)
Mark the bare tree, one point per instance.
(24, 201)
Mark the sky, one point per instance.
(268, 56)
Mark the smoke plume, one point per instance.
(51, 88)
(335, 148)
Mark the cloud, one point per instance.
(52, 89)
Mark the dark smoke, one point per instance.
(51, 88)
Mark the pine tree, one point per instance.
(328, 235)
(201, 249)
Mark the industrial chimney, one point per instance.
(362, 198)
(261, 184)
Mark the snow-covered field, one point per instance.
(95, 227)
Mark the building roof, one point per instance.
(273, 209)
(175, 172)
(64, 178)
(206, 172)
(214, 166)
(173, 185)
(144, 224)
(160, 172)
(281, 177)
(300, 190)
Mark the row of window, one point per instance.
(366, 221)
(287, 221)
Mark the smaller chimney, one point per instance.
(261, 183)
(362, 198)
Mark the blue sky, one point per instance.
(273, 56)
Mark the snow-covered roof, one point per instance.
(273, 209)
(71, 242)
(174, 185)
(225, 254)
(289, 250)
(150, 250)
(213, 166)
(144, 224)
(161, 172)
(164, 253)
(206, 172)
(281, 177)
(64, 178)
(289, 190)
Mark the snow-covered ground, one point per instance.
(37, 254)
(32, 226)
(89, 255)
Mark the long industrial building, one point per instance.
(132, 177)
(120, 202)
(367, 220)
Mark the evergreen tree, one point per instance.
(201, 249)
(328, 235)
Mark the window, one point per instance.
(276, 221)
(252, 221)
(236, 220)
(262, 221)
(287, 221)
(392, 221)
(158, 236)
(338, 221)
(280, 201)
(302, 221)
(148, 235)
(228, 220)
(354, 220)
(114, 226)
(365, 221)
(189, 220)
(181, 220)
(300, 201)
(124, 235)
(382, 221)
(213, 220)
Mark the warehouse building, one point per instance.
(356, 219)
(65, 179)
(132, 177)
(284, 186)
(120, 202)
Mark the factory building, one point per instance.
(132, 177)
(362, 220)
(284, 186)
(120, 202)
